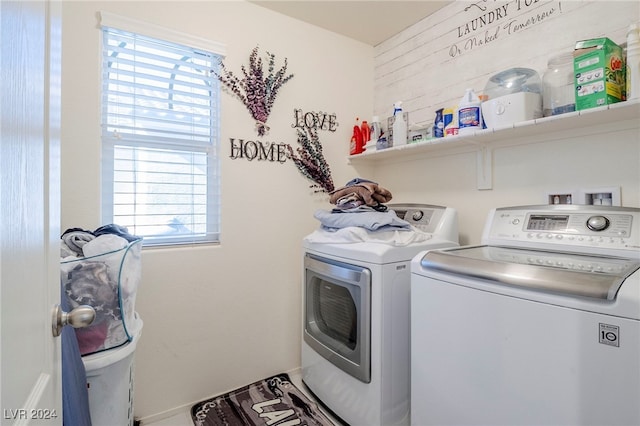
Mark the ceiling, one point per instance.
(369, 21)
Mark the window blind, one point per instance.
(160, 134)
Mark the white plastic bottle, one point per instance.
(469, 115)
(399, 126)
(633, 62)
(376, 132)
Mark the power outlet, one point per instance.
(560, 197)
(609, 196)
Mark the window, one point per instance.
(160, 138)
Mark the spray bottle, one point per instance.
(399, 126)
(469, 115)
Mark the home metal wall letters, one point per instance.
(278, 152)
(258, 150)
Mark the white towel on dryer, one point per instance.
(356, 234)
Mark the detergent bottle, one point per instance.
(357, 142)
(365, 131)
(399, 126)
(375, 132)
(469, 115)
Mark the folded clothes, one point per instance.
(397, 237)
(356, 181)
(349, 201)
(369, 192)
(371, 220)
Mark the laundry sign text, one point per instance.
(491, 22)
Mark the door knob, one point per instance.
(82, 316)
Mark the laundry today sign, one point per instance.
(277, 151)
(490, 21)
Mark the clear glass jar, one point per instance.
(558, 94)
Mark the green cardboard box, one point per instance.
(599, 72)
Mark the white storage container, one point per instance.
(515, 95)
(110, 384)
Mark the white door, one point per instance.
(31, 389)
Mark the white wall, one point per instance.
(416, 66)
(221, 316)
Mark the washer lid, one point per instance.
(598, 277)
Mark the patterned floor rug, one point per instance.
(270, 402)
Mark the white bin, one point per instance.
(110, 381)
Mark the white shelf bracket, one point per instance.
(484, 167)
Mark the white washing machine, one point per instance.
(539, 325)
(355, 348)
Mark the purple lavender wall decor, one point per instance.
(256, 90)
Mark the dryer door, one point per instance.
(337, 314)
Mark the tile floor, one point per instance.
(183, 418)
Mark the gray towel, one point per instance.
(75, 240)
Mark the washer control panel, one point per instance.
(575, 262)
(581, 226)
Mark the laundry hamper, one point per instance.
(108, 282)
(110, 385)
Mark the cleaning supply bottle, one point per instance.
(366, 133)
(450, 121)
(469, 115)
(633, 62)
(399, 126)
(438, 124)
(357, 144)
(447, 118)
(376, 128)
(375, 131)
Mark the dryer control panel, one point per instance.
(440, 221)
(583, 228)
(422, 217)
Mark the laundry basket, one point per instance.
(110, 384)
(108, 282)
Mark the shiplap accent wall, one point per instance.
(417, 66)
